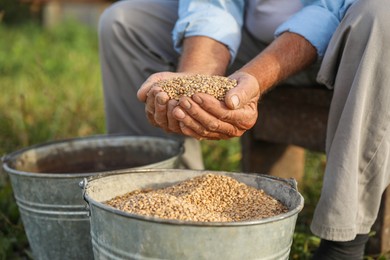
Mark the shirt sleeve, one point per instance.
(317, 21)
(220, 20)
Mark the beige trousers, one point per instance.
(135, 41)
(357, 67)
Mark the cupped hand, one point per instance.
(204, 117)
(158, 105)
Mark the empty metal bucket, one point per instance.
(45, 181)
(120, 235)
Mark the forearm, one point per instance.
(285, 56)
(204, 55)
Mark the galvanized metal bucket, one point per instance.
(45, 181)
(120, 235)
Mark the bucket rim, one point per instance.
(291, 183)
(5, 160)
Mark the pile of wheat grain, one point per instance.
(216, 86)
(206, 198)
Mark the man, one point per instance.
(261, 43)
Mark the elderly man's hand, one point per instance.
(158, 106)
(204, 117)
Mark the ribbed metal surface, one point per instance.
(45, 181)
(120, 235)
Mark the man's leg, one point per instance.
(357, 67)
(135, 41)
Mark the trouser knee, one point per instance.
(118, 20)
(369, 16)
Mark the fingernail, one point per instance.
(197, 99)
(235, 101)
(160, 100)
(186, 104)
(179, 113)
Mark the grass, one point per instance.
(50, 82)
(51, 89)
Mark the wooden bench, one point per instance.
(292, 120)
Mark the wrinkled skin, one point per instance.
(202, 116)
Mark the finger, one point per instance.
(151, 99)
(161, 107)
(202, 122)
(150, 82)
(173, 124)
(188, 132)
(242, 119)
(142, 93)
(247, 90)
(150, 117)
(207, 135)
(150, 108)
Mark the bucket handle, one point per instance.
(293, 183)
(4, 159)
(83, 186)
(289, 181)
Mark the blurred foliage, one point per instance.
(50, 83)
(15, 12)
(310, 187)
(226, 159)
(18, 12)
(13, 242)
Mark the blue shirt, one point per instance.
(223, 20)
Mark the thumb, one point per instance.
(143, 91)
(246, 91)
